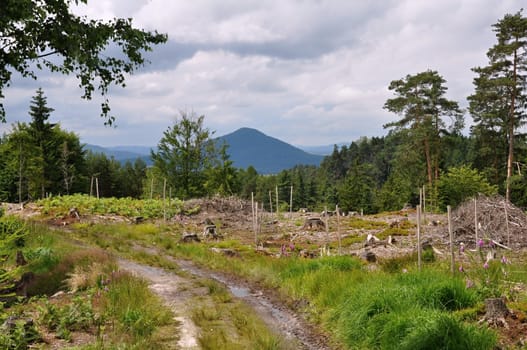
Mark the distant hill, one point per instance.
(325, 150)
(266, 154)
(123, 153)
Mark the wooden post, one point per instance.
(277, 206)
(164, 199)
(253, 219)
(420, 200)
(91, 186)
(451, 235)
(326, 222)
(476, 221)
(424, 204)
(291, 204)
(97, 186)
(419, 237)
(257, 224)
(338, 228)
(271, 203)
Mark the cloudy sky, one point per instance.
(309, 72)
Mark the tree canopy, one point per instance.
(40, 34)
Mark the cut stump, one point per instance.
(496, 312)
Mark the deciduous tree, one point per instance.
(38, 34)
(183, 155)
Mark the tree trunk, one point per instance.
(510, 157)
(428, 161)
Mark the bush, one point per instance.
(461, 183)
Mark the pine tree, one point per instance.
(420, 100)
(499, 103)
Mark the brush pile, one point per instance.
(497, 219)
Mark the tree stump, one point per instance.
(369, 256)
(315, 223)
(496, 312)
(189, 237)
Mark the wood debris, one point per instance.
(499, 222)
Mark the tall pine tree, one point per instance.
(499, 103)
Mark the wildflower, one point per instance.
(481, 243)
(503, 260)
(491, 243)
(291, 247)
(461, 269)
(462, 248)
(486, 265)
(469, 284)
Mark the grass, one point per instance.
(396, 307)
(226, 323)
(103, 301)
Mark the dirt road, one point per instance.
(177, 291)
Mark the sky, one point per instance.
(308, 72)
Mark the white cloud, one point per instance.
(308, 72)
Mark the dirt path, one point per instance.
(177, 291)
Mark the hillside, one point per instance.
(123, 154)
(266, 154)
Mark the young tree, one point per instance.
(184, 153)
(460, 183)
(499, 103)
(222, 176)
(24, 160)
(46, 34)
(420, 100)
(41, 130)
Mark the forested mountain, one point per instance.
(268, 155)
(246, 147)
(122, 153)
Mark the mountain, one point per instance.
(123, 153)
(266, 154)
(325, 150)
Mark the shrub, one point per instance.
(461, 183)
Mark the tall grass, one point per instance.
(135, 312)
(363, 309)
(228, 324)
